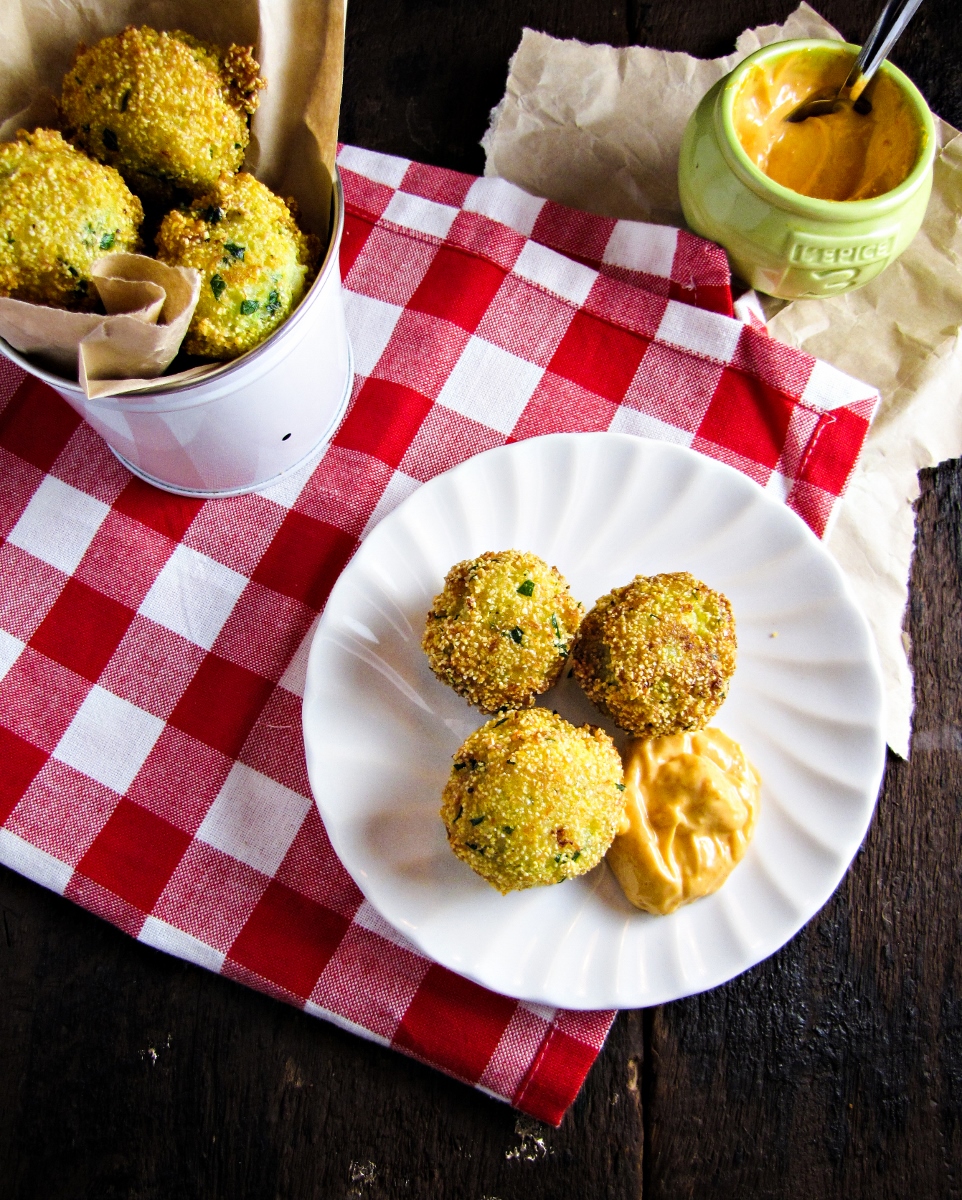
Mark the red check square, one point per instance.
(445, 439)
(289, 939)
(151, 667)
(829, 471)
(631, 308)
(748, 417)
(37, 424)
(311, 868)
(134, 855)
(370, 196)
(383, 420)
(87, 464)
(221, 704)
(436, 183)
(392, 265)
(577, 234)
(345, 489)
(674, 386)
(263, 631)
(275, 746)
(599, 356)
(772, 362)
(214, 530)
(526, 320)
(210, 895)
(560, 406)
(124, 559)
(28, 589)
(169, 514)
(458, 287)
(21, 762)
(304, 559)
(550, 1088)
(180, 779)
(394, 976)
(18, 482)
(444, 1003)
(62, 811)
(104, 903)
(356, 232)
(421, 352)
(474, 232)
(82, 630)
(39, 698)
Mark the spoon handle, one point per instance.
(894, 17)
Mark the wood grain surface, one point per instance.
(834, 1068)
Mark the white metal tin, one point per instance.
(251, 422)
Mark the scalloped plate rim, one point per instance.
(381, 899)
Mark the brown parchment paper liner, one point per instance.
(300, 47)
(600, 128)
(149, 306)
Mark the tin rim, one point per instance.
(217, 373)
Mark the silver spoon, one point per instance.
(893, 19)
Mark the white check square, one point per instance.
(553, 271)
(490, 386)
(696, 329)
(254, 818)
(27, 859)
(641, 424)
(382, 168)
(193, 595)
(367, 917)
(640, 247)
(502, 201)
(109, 739)
(10, 650)
(399, 487)
(829, 388)
(370, 323)
(294, 678)
(58, 524)
(172, 940)
(415, 212)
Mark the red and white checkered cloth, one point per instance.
(152, 648)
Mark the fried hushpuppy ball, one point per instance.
(59, 212)
(168, 111)
(656, 655)
(500, 632)
(533, 800)
(254, 263)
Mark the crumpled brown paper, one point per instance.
(600, 128)
(149, 306)
(300, 47)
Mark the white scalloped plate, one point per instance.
(806, 704)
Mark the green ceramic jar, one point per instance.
(779, 241)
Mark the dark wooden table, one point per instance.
(834, 1068)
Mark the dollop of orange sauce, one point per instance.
(691, 801)
(845, 155)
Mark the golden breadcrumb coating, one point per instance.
(167, 110)
(59, 212)
(533, 800)
(255, 263)
(500, 631)
(656, 656)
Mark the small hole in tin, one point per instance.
(285, 437)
